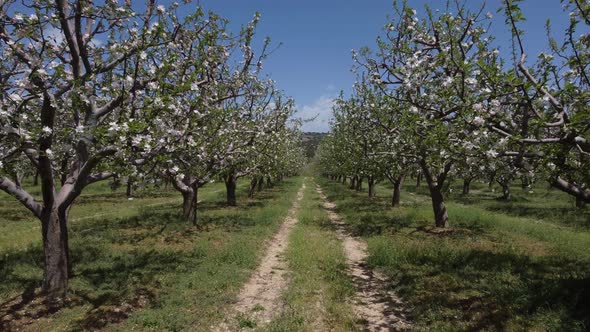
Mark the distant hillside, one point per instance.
(311, 142)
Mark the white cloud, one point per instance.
(320, 111)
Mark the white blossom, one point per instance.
(47, 131)
(16, 98)
(478, 121)
(492, 153)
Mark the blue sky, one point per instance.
(313, 64)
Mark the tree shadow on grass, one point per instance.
(552, 208)
(568, 216)
(114, 271)
(228, 222)
(113, 283)
(486, 290)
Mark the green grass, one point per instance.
(139, 266)
(543, 204)
(494, 269)
(320, 286)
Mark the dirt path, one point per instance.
(377, 307)
(259, 300)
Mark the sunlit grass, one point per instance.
(492, 270)
(138, 265)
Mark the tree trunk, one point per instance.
(359, 184)
(506, 194)
(580, 203)
(525, 183)
(188, 208)
(466, 186)
(252, 187)
(230, 186)
(353, 182)
(397, 189)
(344, 179)
(195, 203)
(372, 186)
(36, 178)
(56, 252)
(579, 191)
(268, 182)
(441, 218)
(260, 183)
(418, 180)
(435, 184)
(129, 187)
(492, 179)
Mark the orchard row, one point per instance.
(437, 99)
(93, 92)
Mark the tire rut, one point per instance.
(259, 301)
(376, 306)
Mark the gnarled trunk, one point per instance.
(353, 182)
(506, 194)
(129, 191)
(435, 185)
(397, 189)
(418, 180)
(230, 187)
(372, 186)
(580, 192)
(189, 203)
(491, 180)
(359, 184)
(260, 183)
(188, 199)
(189, 188)
(466, 185)
(580, 204)
(253, 183)
(56, 253)
(166, 183)
(441, 218)
(195, 203)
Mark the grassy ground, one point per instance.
(137, 265)
(320, 286)
(501, 266)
